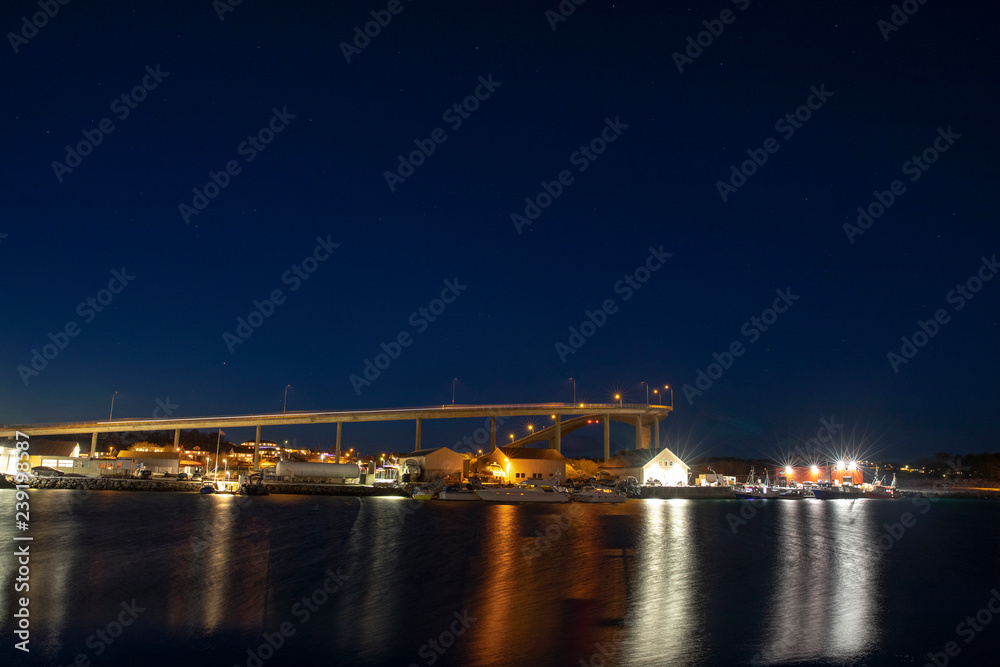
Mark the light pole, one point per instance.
(453, 390)
(667, 386)
(647, 391)
(112, 405)
(574, 390)
(285, 404)
(618, 397)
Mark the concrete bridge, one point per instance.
(641, 416)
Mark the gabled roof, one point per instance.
(630, 458)
(637, 458)
(532, 453)
(39, 447)
(421, 452)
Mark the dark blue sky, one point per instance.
(549, 93)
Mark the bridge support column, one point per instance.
(607, 437)
(558, 439)
(256, 449)
(177, 440)
(493, 434)
(337, 455)
(93, 445)
(419, 422)
(638, 431)
(656, 433)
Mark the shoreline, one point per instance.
(314, 489)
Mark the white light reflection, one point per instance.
(214, 573)
(664, 619)
(821, 602)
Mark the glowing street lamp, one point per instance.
(618, 397)
(667, 386)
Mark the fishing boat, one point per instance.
(528, 491)
(826, 491)
(598, 494)
(751, 490)
(457, 493)
(790, 494)
(879, 491)
(252, 485)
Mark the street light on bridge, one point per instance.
(112, 405)
(453, 390)
(647, 391)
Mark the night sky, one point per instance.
(623, 133)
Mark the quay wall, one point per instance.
(686, 492)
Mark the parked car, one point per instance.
(46, 471)
(181, 476)
(146, 473)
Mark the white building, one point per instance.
(436, 463)
(646, 464)
(514, 464)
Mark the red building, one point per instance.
(840, 474)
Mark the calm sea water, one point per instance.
(180, 579)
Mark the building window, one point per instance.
(50, 463)
(66, 464)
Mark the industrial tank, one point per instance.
(292, 469)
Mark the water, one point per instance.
(670, 582)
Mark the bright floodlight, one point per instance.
(852, 466)
(840, 465)
(814, 470)
(788, 470)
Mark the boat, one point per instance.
(752, 491)
(423, 492)
(598, 494)
(528, 491)
(458, 493)
(253, 485)
(879, 491)
(828, 492)
(790, 494)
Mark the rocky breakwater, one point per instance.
(112, 484)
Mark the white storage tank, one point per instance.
(323, 471)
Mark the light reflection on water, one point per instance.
(644, 583)
(822, 591)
